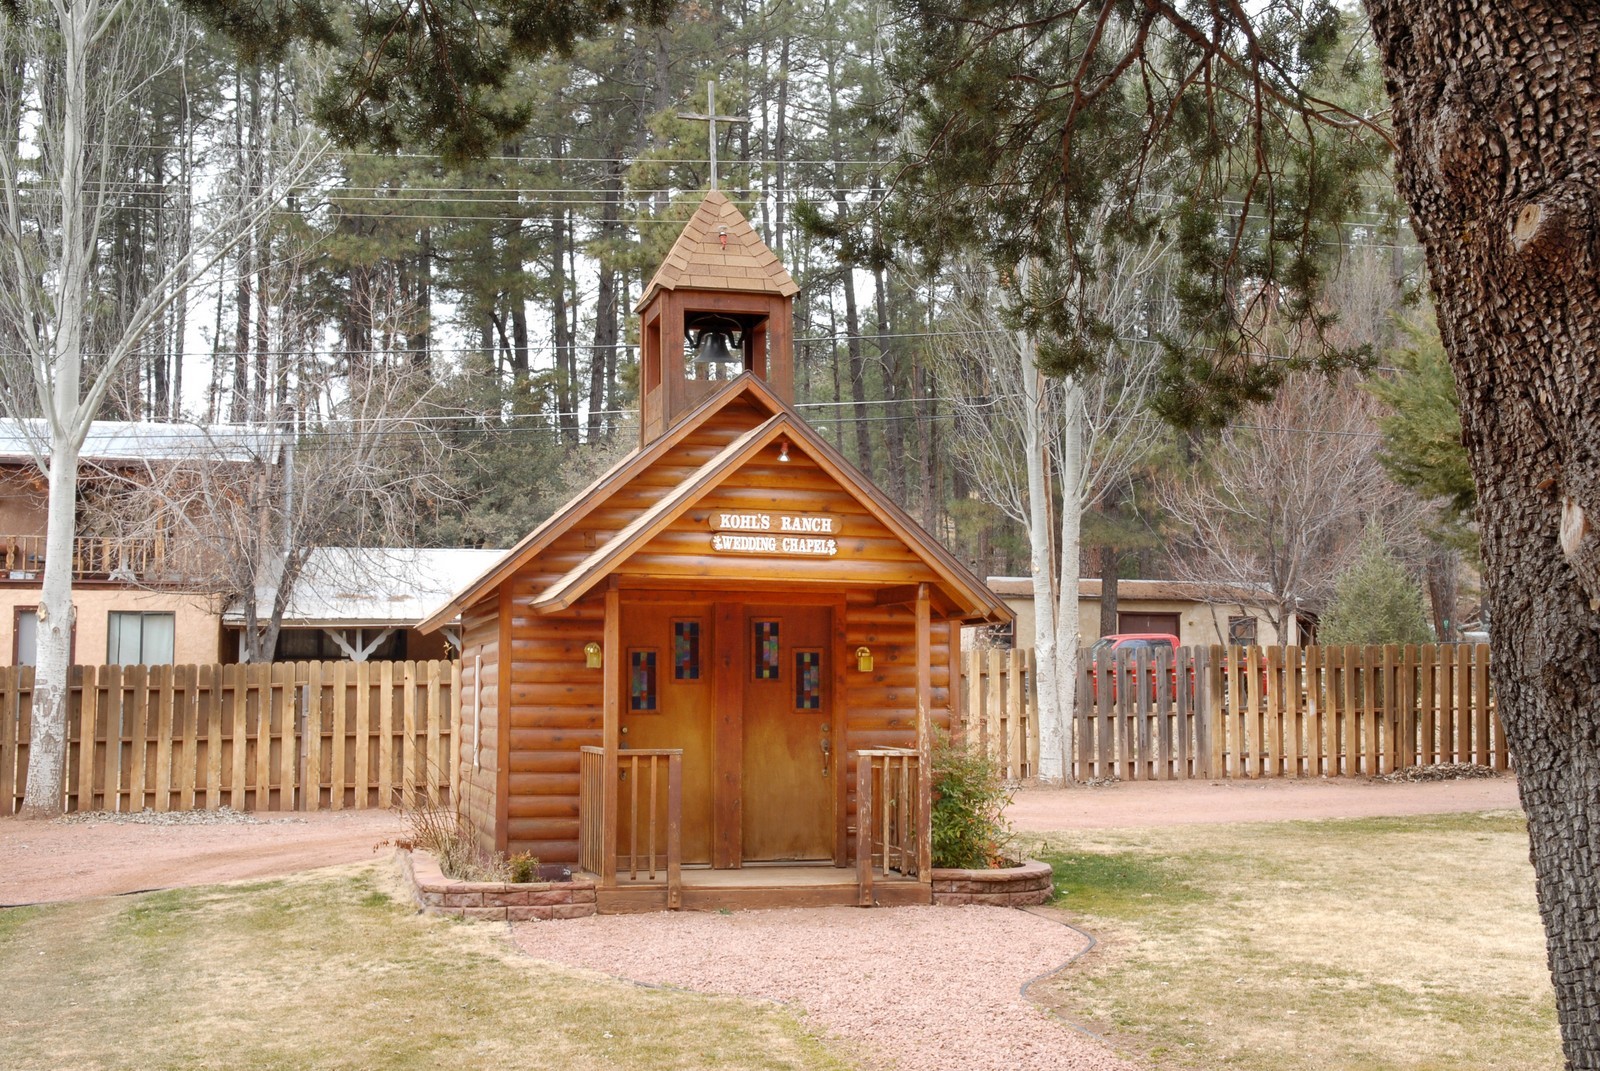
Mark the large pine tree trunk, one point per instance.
(1497, 114)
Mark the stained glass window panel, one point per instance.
(642, 680)
(686, 650)
(808, 680)
(766, 650)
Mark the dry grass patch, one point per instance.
(328, 970)
(1411, 944)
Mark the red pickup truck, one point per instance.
(1132, 641)
(1135, 640)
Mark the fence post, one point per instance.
(83, 691)
(10, 706)
(1216, 719)
(1188, 761)
(1406, 699)
(1083, 701)
(1500, 758)
(1030, 717)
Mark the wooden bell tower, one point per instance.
(721, 304)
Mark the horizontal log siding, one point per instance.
(883, 704)
(478, 749)
(868, 551)
(554, 708)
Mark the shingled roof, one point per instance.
(700, 260)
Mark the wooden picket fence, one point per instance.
(1247, 712)
(284, 736)
(1000, 708)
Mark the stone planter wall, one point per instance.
(498, 901)
(1016, 886)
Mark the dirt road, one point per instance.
(1133, 804)
(77, 860)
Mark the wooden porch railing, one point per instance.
(591, 808)
(642, 773)
(887, 816)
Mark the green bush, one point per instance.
(1375, 601)
(969, 801)
(523, 867)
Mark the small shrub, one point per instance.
(523, 867)
(969, 801)
(444, 833)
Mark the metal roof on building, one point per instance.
(124, 441)
(347, 587)
(1021, 587)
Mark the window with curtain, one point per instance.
(139, 638)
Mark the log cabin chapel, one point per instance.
(706, 674)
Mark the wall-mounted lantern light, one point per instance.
(592, 655)
(783, 449)
(864, 659)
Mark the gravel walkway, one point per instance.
(910, 988)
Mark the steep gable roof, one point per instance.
(969, 596)
(701, 260)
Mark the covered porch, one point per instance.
(640, 876)
(647, 850)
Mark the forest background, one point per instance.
(507, 283)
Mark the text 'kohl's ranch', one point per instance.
(802, 535)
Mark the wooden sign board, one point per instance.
(807, 535)
(817, 524)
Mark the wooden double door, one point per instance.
(746, 690)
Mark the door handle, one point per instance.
(827, 754)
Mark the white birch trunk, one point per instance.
(1046, 668)
(47, 747)
(1070, 462)
(47, 752)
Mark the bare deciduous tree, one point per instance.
(244, 520)
(1045, 449)
(67, 70)
(1277, 503)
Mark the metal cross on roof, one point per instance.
(711, 119)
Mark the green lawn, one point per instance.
(327, 971)
(1408, 943)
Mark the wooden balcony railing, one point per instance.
(888, 816)
(642, 775)
(93, 558)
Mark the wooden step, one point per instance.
(759, 896)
